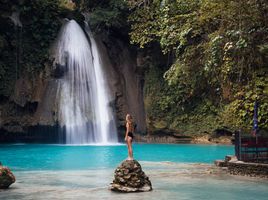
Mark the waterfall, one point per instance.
(84, 106)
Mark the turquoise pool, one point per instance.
(179, 172)
(62, 157)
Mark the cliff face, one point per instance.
(124, 83)
(125, 78)
(34, 102)
(27, 29)
(26, 106)
(29, 80)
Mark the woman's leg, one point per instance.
(129, 145)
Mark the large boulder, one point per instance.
(6, 177)
(129, 177)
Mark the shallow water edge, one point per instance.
(170, 181)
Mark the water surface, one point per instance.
(183, 172)
(63, 157)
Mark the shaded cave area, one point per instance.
(40, 134)
(34, 134)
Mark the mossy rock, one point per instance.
(6, 177)
(129, 177)
(160, 124)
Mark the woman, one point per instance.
(129, 135)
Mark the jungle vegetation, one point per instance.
(219, 51)
(216, 54)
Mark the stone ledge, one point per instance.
(236, 167)
(220, 163)
(248, 169)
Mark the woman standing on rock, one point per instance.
(129, 135)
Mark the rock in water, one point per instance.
(6, 177)
(129, 177)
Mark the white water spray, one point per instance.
(84, 108)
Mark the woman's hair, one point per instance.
(129, 118)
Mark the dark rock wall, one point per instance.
(125, 81)
(29, 81)
(34, 101)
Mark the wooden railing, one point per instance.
(251, 148)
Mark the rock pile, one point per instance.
(6, 177)
(129, 177)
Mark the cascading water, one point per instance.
(84, 108)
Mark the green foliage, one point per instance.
(202, 119)
(105, 14)
(43, 23)
(24, 50)
(165, 21)
(220, 49)
(155, 92)
(243, 105)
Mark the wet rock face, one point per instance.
(6, 177)
(129, 177)
(124, 78)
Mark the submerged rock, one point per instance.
(6, 177)
(129, 177)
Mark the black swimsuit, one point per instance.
(130, 134)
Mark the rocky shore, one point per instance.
(182, 139)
